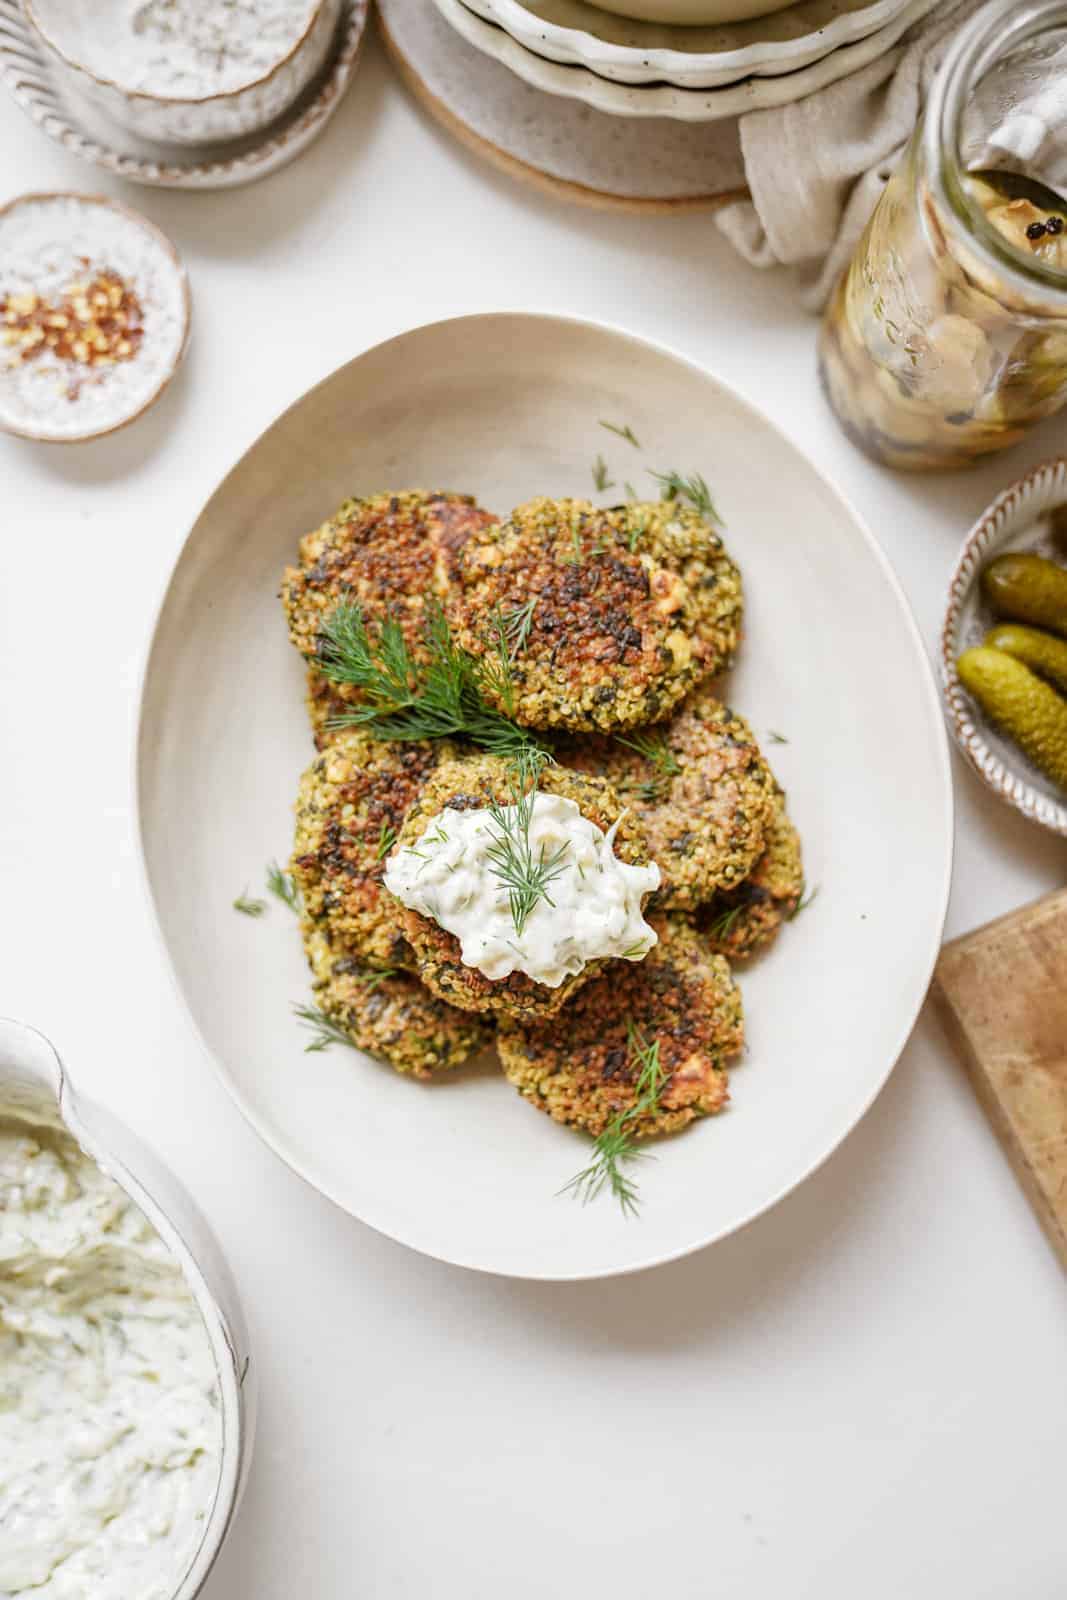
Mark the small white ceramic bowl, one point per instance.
(1016, 520)
(157, 85)
(48, 242)
(34, 1082)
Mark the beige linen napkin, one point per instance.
(816, 168)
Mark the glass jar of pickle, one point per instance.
(947, 336)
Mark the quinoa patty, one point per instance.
(748, 917)
(464, 785)
(633, 606)
(390, 1016)
(582, 1071)
(701, 793)
(389, 553)
(350, 806)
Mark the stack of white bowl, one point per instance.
(183, 73)
(696, 60)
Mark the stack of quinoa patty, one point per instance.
(633, 611)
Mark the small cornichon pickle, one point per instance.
(1023, 707)
(1043, 653)
(1027, 588)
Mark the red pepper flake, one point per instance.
(96, 323)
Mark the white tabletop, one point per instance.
(863, 1393)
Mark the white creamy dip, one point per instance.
(593, 907)
(110, 1428)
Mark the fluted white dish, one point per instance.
(1016, 520)
(624, 50)
(664, 100)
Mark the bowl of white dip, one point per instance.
(126, 1387)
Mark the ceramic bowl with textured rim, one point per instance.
(45, 241)
(1016, 520)
(625, 50)
(24, 69)
(35, 1084)
(506, 406)
(69, 31)
(664, 100)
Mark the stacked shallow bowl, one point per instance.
(699, 60)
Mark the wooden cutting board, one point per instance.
(1003, 993)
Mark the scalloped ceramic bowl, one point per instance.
(36, 1087)
(632, 51)
(1016, 520)
(92, 51)
(664, 99)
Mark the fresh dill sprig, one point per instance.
(326, 1031)
(631, 494)
(654, 748)
(600, 474)
(804, 902)
(250, 908)
(719, 927)
(616, 1147)
(281, 884)
(517, 624)
(624, 431)
(776, 738)
(674, 487)
(632, 952)
(613, 1148)
(435, 696)
(386, 841)
(510, 856)
(507, 636)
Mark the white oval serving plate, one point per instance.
(576, 33)
(1016, 520)
(506, 406)
(663, 99)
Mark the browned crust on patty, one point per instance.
(472, 782)
(582, 1072)
(748, 918)
(393, 1016)
(624, 623)
(350, 807)
(389, 553)
(703, 800)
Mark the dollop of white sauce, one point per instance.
(110, 1427)
(592, 907)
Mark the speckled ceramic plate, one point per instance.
(663, 99)
(49, 242)
(575, 33)
(83, 132)
(507, 406)
(1016, 520)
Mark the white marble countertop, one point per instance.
(863, 1393)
